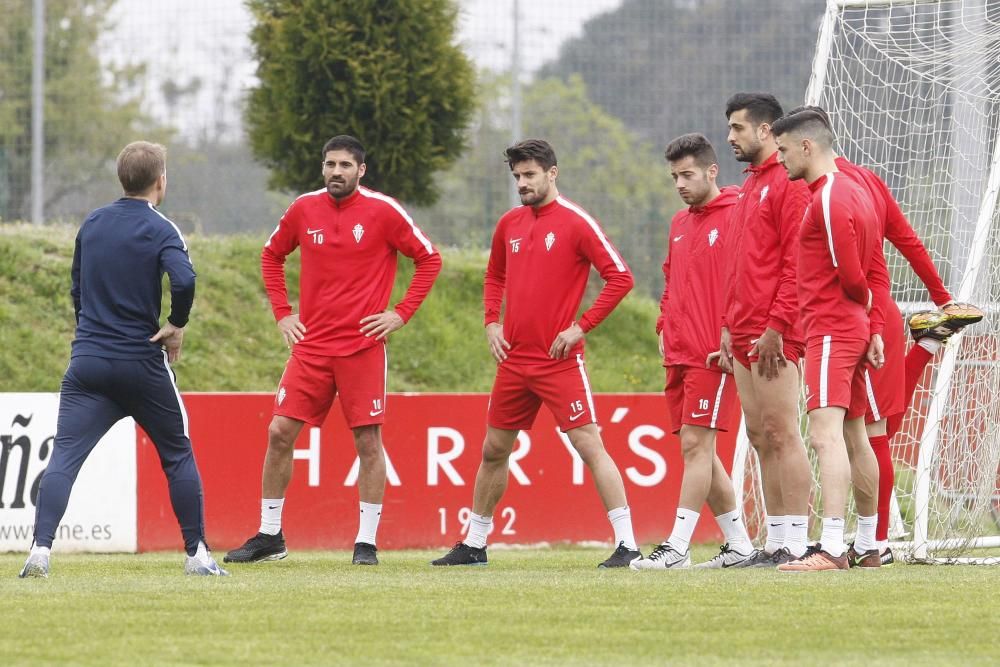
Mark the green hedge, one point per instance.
(232, 343)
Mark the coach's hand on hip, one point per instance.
(171, 338)
(381, 324)
(565, 341)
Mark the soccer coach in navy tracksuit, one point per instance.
(120, 363)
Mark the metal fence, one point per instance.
(609, 82)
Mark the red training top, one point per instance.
(836, 245)
(693, 292)
(348, 266)
(894, 227)
(539, 264)
(764, 253)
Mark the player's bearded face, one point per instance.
(341, 173)
(533, 182)
(743, 137)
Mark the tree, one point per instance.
(617, 176)
(667, 67)
(385, 71)
(86, 119)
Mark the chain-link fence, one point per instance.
(608, 82)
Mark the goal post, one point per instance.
(912, 88)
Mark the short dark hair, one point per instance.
(345, 142)
(139, 165)
(538, 150)
(810, 123)
(820, 111)
(760, 107)
(695, 145)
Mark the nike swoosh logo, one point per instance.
(573, 418)
(725, 564)
(272, 507)
(678, 238)
(774, 525)
(699, 415)
(313, 231)
(797, 525)
(375, 413)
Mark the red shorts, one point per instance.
(835, 374)
(741, 344)
(700, 397)
(886, 386)
(309, 385)
(519, 391)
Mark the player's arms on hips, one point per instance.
(381, 324)
(770, 353)
(498, 344)
(725, 354)
(565, 341)
(292, 330)
(171, 338)
(876, 351)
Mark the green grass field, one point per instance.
(533, 606)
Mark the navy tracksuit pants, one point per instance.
(96, 393)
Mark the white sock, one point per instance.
(882, 545)
(684, 523)
(930, 344)
(270, 515)
(865, 539)
(621, 522)
(40, 551)
(479, 528)
(368, 524)
(832, 540)
(735, 531)
(797, 534)
(775, 533)
(202, 552)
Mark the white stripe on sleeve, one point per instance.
(827, 187)
(619, 264)
(176, 228)
(399, 209)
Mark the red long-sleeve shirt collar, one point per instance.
(349, 200)
(818, 183)
(723, 199)
(771, 161)
(545, 210)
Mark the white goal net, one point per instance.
(913, 90)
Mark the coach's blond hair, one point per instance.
(139, 165)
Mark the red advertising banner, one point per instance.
(433, 444)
